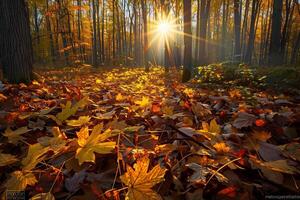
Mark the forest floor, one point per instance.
(106, 134)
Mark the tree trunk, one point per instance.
(274, 54)
(48, 24)
(94, 56)
(187, 68)
(295, 50)
(250, 47)
(15, 41)
(205, 7)
(237, 30)
(144, 11)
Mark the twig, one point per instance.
(221, 168)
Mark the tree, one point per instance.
(275, 46)
(187, 62)
(94, 57)
(237, 30)
(15, 41)
(144, 11)
(250, 47)
(204, 13)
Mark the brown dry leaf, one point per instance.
(200, 109)
(140, 181)
(244, 120)
(261, 135)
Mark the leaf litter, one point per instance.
(126, 134)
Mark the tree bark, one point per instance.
(15, 41)
(237, 30)
(187, 68)
(144, 11)
(275, 47)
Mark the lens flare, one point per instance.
(164, 27)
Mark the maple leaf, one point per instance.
(144, 102)
(119, 97)
(91, 144)
(16, 135)
(140, 181)
(19, 180)
(70, 110)
(7, 159)
(35, 154)
(212, 127)
(82, 120)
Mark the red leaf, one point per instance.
(229, 192)
(260, 122)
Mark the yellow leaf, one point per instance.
(144, 102)
(16, 135)
(140, 181)
(213, 127)
(168, 110)
(82, 120)
(7, 159)
(98, 81)
(19, 180)
(119, 97)
(221, 147)
(94, 143)
(43, 196)
(34, 155)
(70, 110)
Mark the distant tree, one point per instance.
(94, 56)
(275, 46)
(144, 12)
(15, 41)
(187, 62)
(237, 30)
(251, 39)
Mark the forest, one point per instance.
(149, 99)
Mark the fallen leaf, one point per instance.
(221, 147)
(19, 180)
(43, 196)
(94, 143)
(244, 120)
(82, 120)
(15, 136)
(7, 159)
(70, 110)
(140, 181)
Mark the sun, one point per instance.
(164, 27)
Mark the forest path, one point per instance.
(190, 131)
